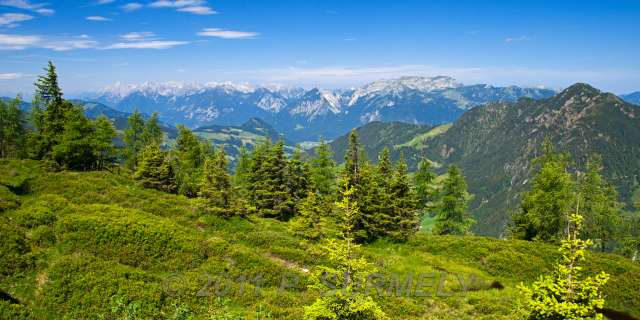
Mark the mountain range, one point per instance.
(495, 144)
(307, 114)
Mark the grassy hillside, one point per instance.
(95, 245)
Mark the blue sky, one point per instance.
(326, 43)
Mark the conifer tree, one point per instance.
(352, 159)
(385, 167)
(191, 157)
(133, 139)
(75, 145)
(298, 176)
(601, 209)
(404, 214)
(155, 171)
(215, 184)
(349, 270)
(309, 220)
(566, 294)
(269, 186)
(12, 129)
(424, 180)
(452, 216)
(152, 133)
(543, 211)
(323, 170)
(103, 148)
(371, 192)
(47, 89)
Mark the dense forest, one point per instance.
(340, 222)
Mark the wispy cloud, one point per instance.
(10, 76)
(97, 18)
(132, 6)
(227, 34)
(12, 19)
(105, 1)
(517, 39)
(20, 42)
(138, 36)
(40, 8)
(199, 7)
(153, 44)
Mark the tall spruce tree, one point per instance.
(323, 170)
(152, 133)
(12, 129)
(404, 213)
(452, 216)
(103, 148)
(298, 177)
(191, 157)
(215, 184)
(424, 180)
(268, 182)
(133, 139)
(155, 170)
(544, 209)
(352, 159)
(75, 147)
(601, 209)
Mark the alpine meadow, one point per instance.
(319, 160)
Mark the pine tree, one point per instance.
(543, 211)
(352, 159)
(451, 211)
(404, 213)
(371, 192)
(215, 184)
(155, 171)
(323, 170)
(385, 167)
(103, 148)
(309, 220)
(566, 294)
(269, 191)
(298, 177)
(12, 129)
(152, 133)
(133, 139)
(601, 209)
(424, 180)
(191, 157)
(348, 268)
(75, 147)
(47, 89)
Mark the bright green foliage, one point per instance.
(566, 294)
(309, 221)
(452, 216)
(323, 170)
(385, 167)
(75, 146)
(375, 204)
(152, 132)
(191, 153)
(349, 270)
(12, 130)
(601, 209)
(215, 185)
(133, 139)
(424, 181)
(404, 213)
(269, 191)
(543, 210)
(155, 171)
(8, 200)
(103, 148)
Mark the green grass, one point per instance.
(95, 244)
(418, 141)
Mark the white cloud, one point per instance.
(199, 7)
(97, 18)
(153, 44)
(17, 42)
(27, 5)
(10, 76)
(227, 34)
(517, 39)
(11, 19)
(70, 44)
(200, 10)
(138, 36)
(132, 6)
(100, 2)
